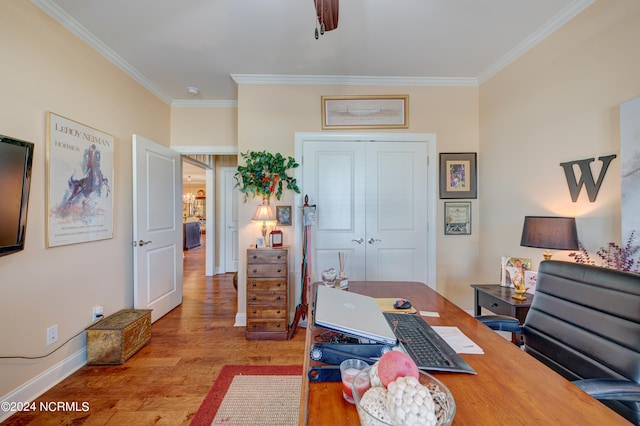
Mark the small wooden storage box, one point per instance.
(117, 337)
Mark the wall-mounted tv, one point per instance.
(16, 158)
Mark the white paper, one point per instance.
(429, 314)
(457, 340)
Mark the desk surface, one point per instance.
(511, 387)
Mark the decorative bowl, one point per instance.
(444, 402)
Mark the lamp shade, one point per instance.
(264, 213)
(550, 232)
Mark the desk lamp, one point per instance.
(549, 232)
(264, 213)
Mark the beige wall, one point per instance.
(557, 103)
(196, 126)
(45, 68)
(269, 117)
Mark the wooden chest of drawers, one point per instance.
(267, 293)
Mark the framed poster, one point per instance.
(458, 175)
(79, 182)
(457, 218)
(365, 112)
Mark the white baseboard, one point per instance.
(44, 381)
(241, 320)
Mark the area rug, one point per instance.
(252, 395)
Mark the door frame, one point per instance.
(222, 222)
(210, 188)
(432, 201)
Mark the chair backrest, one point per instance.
(584, 322)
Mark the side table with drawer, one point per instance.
(267, 294)
(498, 300)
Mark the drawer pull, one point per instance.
(253, 298)
(277, 325)
(255, 270)
(278, 285)
(494, 305)
(254, 284)
(255, 311)
(278, 298)
(255, 257)
(254, 325)
(278, 311)
(279, 270)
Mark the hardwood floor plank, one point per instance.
(167, 380)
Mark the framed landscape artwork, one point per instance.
(365, 112)
(458, 176)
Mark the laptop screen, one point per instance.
(351, 313)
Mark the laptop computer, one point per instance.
(353, 314)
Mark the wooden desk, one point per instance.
(511, 387)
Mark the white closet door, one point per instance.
(396, 213)
(371, 204)
(334, 179)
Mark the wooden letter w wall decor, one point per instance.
(586, 177)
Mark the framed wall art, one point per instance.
(457, 218)
(80, 173)
(283, 215)
(458, 176)
(365, 112)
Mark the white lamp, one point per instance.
(264, 213)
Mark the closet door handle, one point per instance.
(359, 240)
(372, 240)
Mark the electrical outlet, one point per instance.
(52, 334)
(97, 313)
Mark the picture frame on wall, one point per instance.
(80, 179)
(457, 218)
(283, 215)
(365, 112)
(458, 175)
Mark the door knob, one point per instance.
(143, 243)
(372, 240)
(359, 240)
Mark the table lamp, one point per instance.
(264, 213)
(549, 232)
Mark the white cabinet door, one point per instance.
(372, 200)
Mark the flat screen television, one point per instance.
(16, 158)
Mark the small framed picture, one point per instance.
(458, 175)
(457, 218)
(260, 242)
(275, 238)
(283, 215)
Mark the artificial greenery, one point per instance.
(614, 256)
(265, 174)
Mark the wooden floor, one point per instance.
(165, 382)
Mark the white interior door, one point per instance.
(396, 213)
(230, 222)
(372, 204)
(157, 227)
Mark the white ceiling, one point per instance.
(169, 45)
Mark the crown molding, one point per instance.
(352, 80)
(53, 10)
(567, 14)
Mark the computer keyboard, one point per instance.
(424, 345)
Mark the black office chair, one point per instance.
(584, 323)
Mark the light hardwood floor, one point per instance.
(165, 382)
